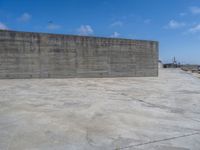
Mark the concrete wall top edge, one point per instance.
(79, 36)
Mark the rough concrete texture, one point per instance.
(39, 55)
(93, 114)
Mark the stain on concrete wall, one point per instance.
(41, 55)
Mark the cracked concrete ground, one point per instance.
(101, 114)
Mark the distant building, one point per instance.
(198, 68)
(174, 64)
(160, 64)
(170, 65)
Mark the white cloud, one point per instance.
(195, 29)
(195, 10)
(117, 24)
(3, 26)
(85, 30)
(115, 35)
(25, 17)
(173, 24)
(147, 21)
(183, 14)
(52, 26)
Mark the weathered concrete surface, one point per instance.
(39, 55)
(94, 114)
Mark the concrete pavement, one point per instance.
(113, 113)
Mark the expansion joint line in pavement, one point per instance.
(157, 141)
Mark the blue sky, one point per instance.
(174, 23)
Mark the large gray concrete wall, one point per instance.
(40, 55)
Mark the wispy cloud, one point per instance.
(173, 24)
(3, 26)
(182, 14)
(85, 30)
(25, 17)
(147, 21)
(117, 24)
(195, 29)
(195, 10)
(52, 26)
(115, 35)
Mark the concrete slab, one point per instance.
(112, 113)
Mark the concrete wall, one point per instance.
(40, 55)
